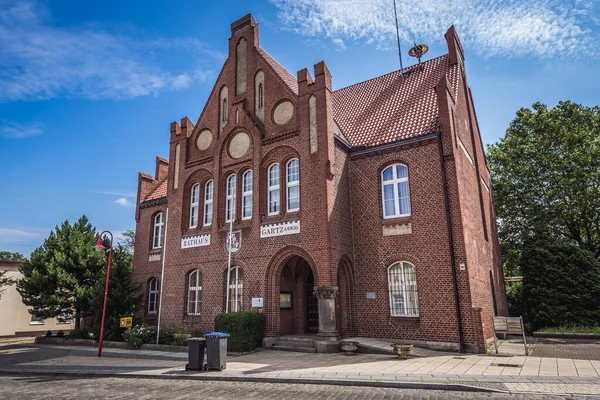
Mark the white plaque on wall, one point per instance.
(195, 241)
(282, 229)
(257, 302)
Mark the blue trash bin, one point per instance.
(216, 350)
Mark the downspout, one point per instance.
(461, 339)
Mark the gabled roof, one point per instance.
(387, 108)
(289, 79)
(159, 191)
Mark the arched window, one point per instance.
(157, 238)
(194, 203)
(208, 202)
(236, 287)
(247, 195)
(273, 189)
(402, 284)
(261, 96)
(152, 296)
(395, 192)
(292, 184)
(230, 199)
(224, 110)
(194, 293)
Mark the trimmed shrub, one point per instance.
(82, 333)
(561, 285)
(142, 334)
(246, 329)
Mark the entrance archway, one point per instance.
(290, 304)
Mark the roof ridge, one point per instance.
(270, 60)
(159, 184)
(389, 73)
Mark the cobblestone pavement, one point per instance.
(16, 387)
(581, 349)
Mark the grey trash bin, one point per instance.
(196, 347)
(216, 350)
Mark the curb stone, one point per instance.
(334, 382)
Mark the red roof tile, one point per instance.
(289, 79)
(387, 109)
(159, 191)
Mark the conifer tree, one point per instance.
(59, 278)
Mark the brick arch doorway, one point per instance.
(293, 274)
(299, 308)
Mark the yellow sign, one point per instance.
(126, 322)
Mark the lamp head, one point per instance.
(99, 245)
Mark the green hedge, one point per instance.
(246, 329)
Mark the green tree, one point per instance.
(128, 240)
(546, 177)
(8, 256)
(124, 296)
(61, 274)
(4, 281)
(561, 284)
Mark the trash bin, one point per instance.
(216, 350)
(196, 347)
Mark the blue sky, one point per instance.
(88, 89)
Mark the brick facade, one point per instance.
(450, 236)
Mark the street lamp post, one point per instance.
(100, 247)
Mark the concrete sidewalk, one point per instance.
(443, 372)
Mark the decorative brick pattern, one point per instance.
(342, 237)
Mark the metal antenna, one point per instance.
(398, 37)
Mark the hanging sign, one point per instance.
(195, 241)
(282, 229)
(234, 243)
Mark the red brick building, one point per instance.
(365, 211)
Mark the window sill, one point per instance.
(37, 323)
(397, 220)
(289, 216)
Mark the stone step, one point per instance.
(294, 344)
(297, 339)
(297, 349)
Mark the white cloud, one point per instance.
(538, 28)
(113, 193)
(21, 233)
(15, 130)
(42, 61)
(123, 202)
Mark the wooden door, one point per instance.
(312, 305)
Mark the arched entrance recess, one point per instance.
(290, 305)
(345, 323)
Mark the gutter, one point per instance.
(461, 339)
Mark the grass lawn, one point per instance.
(573, 329)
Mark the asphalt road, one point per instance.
(49, 387)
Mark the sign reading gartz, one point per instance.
(282, 229)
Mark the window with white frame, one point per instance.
(152, 296)
(230, 199)
(208, 202)
(273, 189)
(194, 293)
(194, 203)
(395, 191)
(157, 238)
(236, 287)
(402, 284)
(292, 184)
(247, 195)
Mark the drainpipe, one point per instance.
(461, 339)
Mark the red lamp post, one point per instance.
(100, 247)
